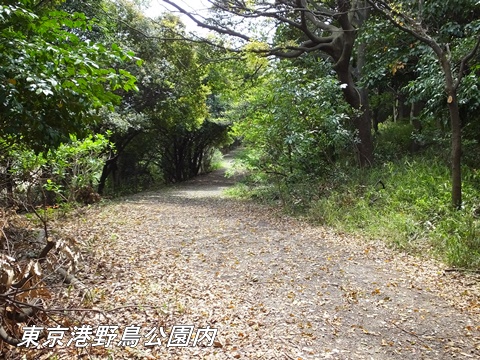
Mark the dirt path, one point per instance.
(273, 287)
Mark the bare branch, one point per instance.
(408, 25)
(206, 26)
(464, 62)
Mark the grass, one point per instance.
(406, 202)
(216, 162)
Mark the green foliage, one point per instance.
(78, 164)
(452, 18)
(429, 86)
(389, 51)
(167, 131)
(296, 121)
(63, 174)
(411, 212)
(393, 141)
(397, 62)
(51, 79)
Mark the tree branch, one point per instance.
(315, 42)
(464, 62)
(415, 29)
(206, 26)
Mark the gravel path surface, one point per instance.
(274, 287)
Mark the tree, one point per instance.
(293, 139)
(391, 59)
(321, 28)
(161, 130)
(51, 79)
(453, 51)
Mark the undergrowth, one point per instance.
(406, 202)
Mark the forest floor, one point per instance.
(274, 287)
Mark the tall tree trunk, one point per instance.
(456, 150)
(358, 99)
(456, 128)
(364, 128)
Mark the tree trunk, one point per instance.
(108, 168)
(358, 99)
(364, 128)
(456, 149)
(456, 128)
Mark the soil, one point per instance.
(273, 286)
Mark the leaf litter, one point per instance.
(274, 287)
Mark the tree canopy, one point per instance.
(51, 78)
(360, 114)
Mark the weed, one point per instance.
(405, 202)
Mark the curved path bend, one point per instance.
(274, 287)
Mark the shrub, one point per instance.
(67, 173)
(404, 202)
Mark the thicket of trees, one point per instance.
(95, 98)
(356, 96)
(360, 110)
(350, 36)
(72, 70)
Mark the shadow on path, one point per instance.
(212, 184)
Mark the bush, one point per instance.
(393, 141)
(407, 203)
(67, 173)
(296, 123)
(412, 212)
